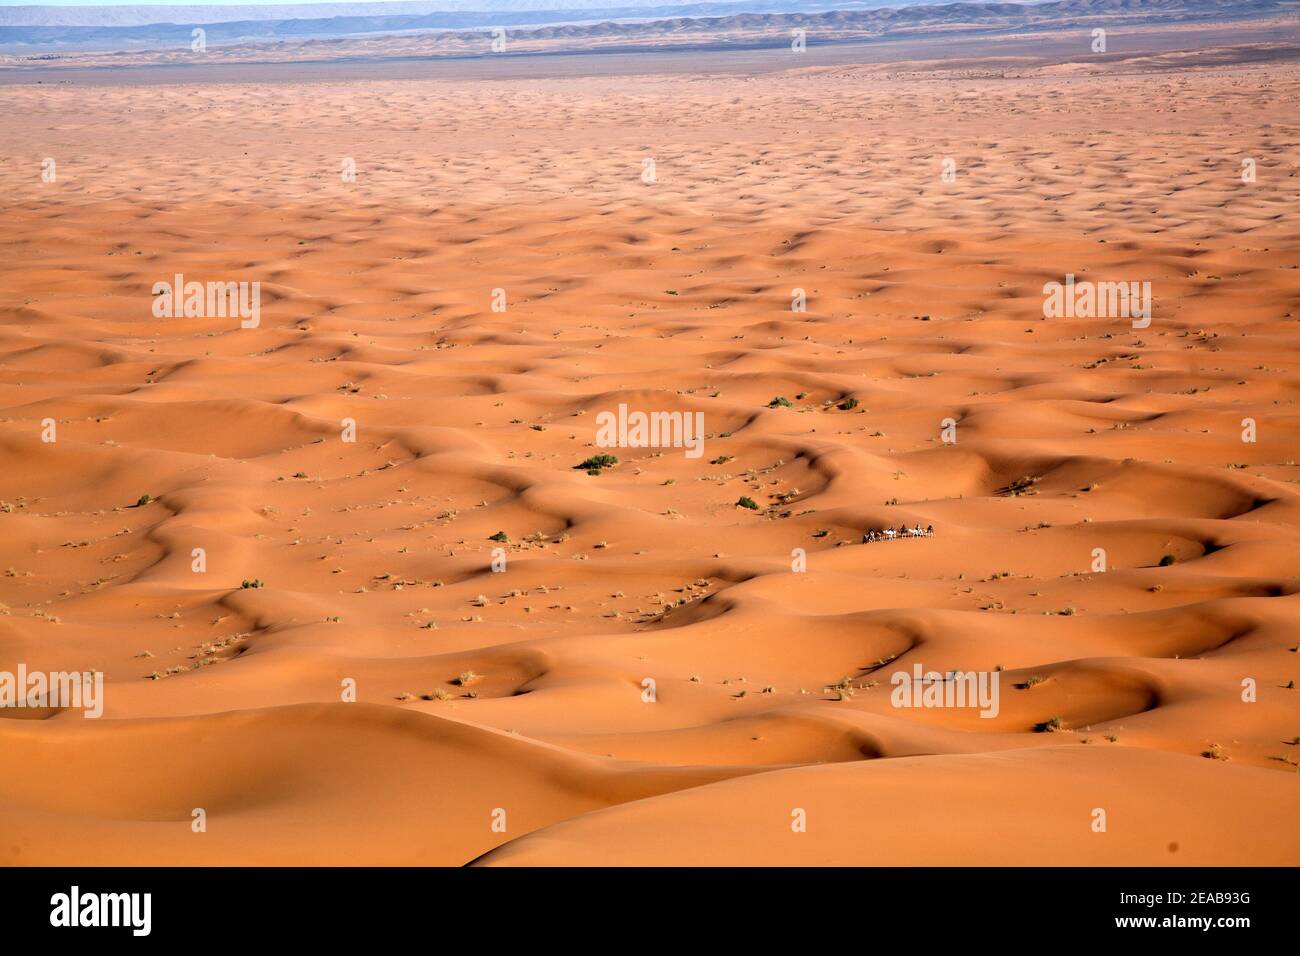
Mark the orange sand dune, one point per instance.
(652, 678)
(275, 783)
(1032, 807)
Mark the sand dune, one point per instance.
(523, 691)
(1033, 807)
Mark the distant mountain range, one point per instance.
(140, 15)
(546, 17)
(122, 28)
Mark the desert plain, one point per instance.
(433, 640)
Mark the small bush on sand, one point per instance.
(1021, 486)
(595, 463)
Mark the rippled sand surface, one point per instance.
(650, 679)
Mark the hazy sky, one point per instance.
(157, 3)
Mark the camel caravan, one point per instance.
(891, 534)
